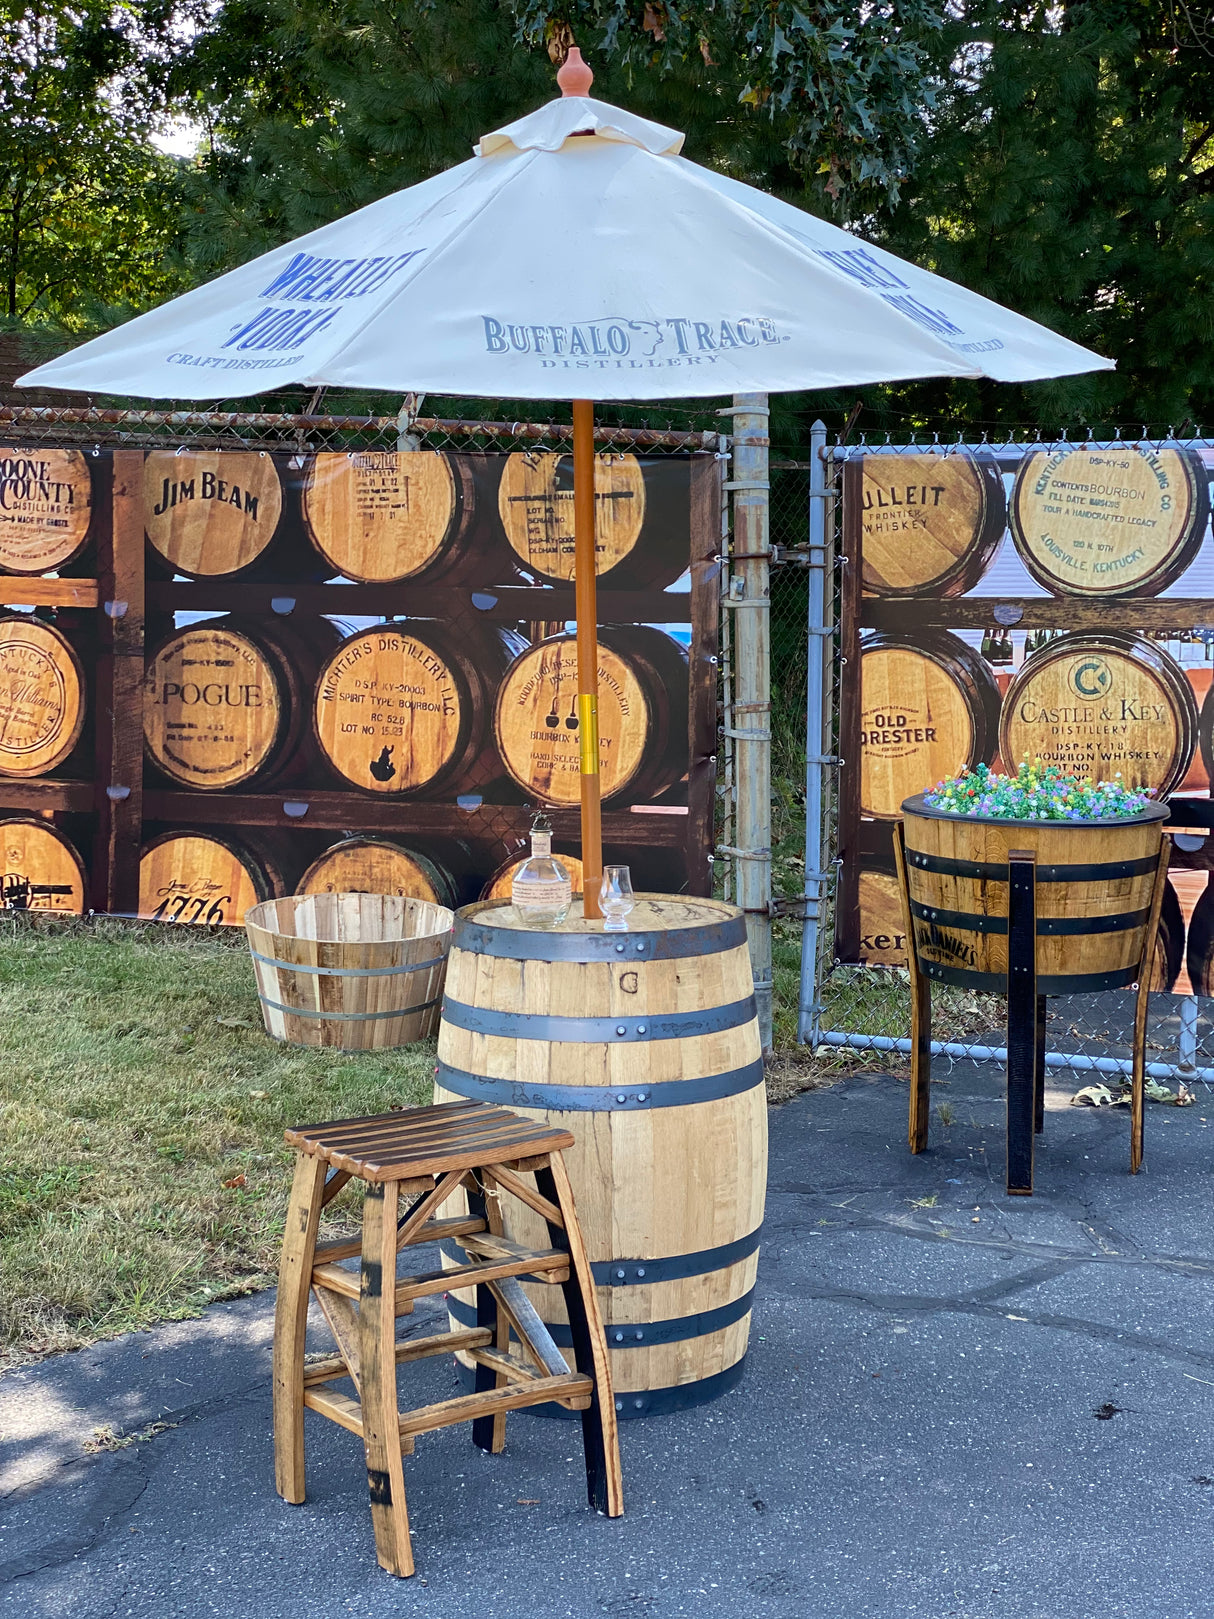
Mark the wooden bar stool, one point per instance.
(426, 1154)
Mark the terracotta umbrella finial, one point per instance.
(574, 77)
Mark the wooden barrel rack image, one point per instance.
(42, 700)
(1103, 705)
(931, 523)
(355, 972)
(642, 716)
(361, 865)
(1199, 952)
(383, 515)
(644, 1045)
(499, 885)
(1094, 886)
(211, 514)
(882, 928)
(408, 707)
(1124, 520)
(1169, 942)
(46, 506)
(227, 702)
(40, 869)
(641, 536)
(929, 708)
(206, 878)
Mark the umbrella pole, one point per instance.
(586, 610)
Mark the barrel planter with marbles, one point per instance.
(1094, 884)
(1063, 899)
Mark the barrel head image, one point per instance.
(1102, 706)
(1122, 520)
(929, 708)
(46, 506)
(381, 515)
(931, 523)
(40, 869)
(41, 697)
(211, 513)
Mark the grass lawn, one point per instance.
(142, 1172)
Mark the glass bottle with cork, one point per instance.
(542, 889)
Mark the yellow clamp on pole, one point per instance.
(588, 732)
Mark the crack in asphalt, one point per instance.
(907, 1226)
(922, 1304)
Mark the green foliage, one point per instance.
(86, 205)
(1070, 175)
(842, 81)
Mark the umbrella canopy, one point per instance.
(576, 256)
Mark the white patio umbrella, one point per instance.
(576, 256)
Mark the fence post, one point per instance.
(816, 653)
(749, 600)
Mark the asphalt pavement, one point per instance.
(956, 1406)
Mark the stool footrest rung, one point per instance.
(491, 1246)
(439, 1343)
(433, 1231)
(468, 1407)
(348, 1282)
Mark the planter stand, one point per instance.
(1025, 1018)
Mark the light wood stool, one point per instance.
(427, 1153)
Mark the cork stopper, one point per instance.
(574, 77)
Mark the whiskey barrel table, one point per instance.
(645, 1046)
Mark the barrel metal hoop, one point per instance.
(637, 1402)
(348, 972)
(532, 944)
(675, 1267)
(608, 1031)
(600, 1098)
(1047, 926)
(996, 872)
(633, 1334)
(1047, 984)
(346, 1017)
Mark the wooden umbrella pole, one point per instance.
(586, 608)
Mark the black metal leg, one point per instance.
(1039, 1071)
(486, 1316)
(583, 1356)
(1022, 1008)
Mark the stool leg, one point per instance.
(600, 1435)
(291, 1323)
(380, 1412)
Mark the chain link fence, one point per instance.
(861, 1011)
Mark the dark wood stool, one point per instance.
(428, 1153)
